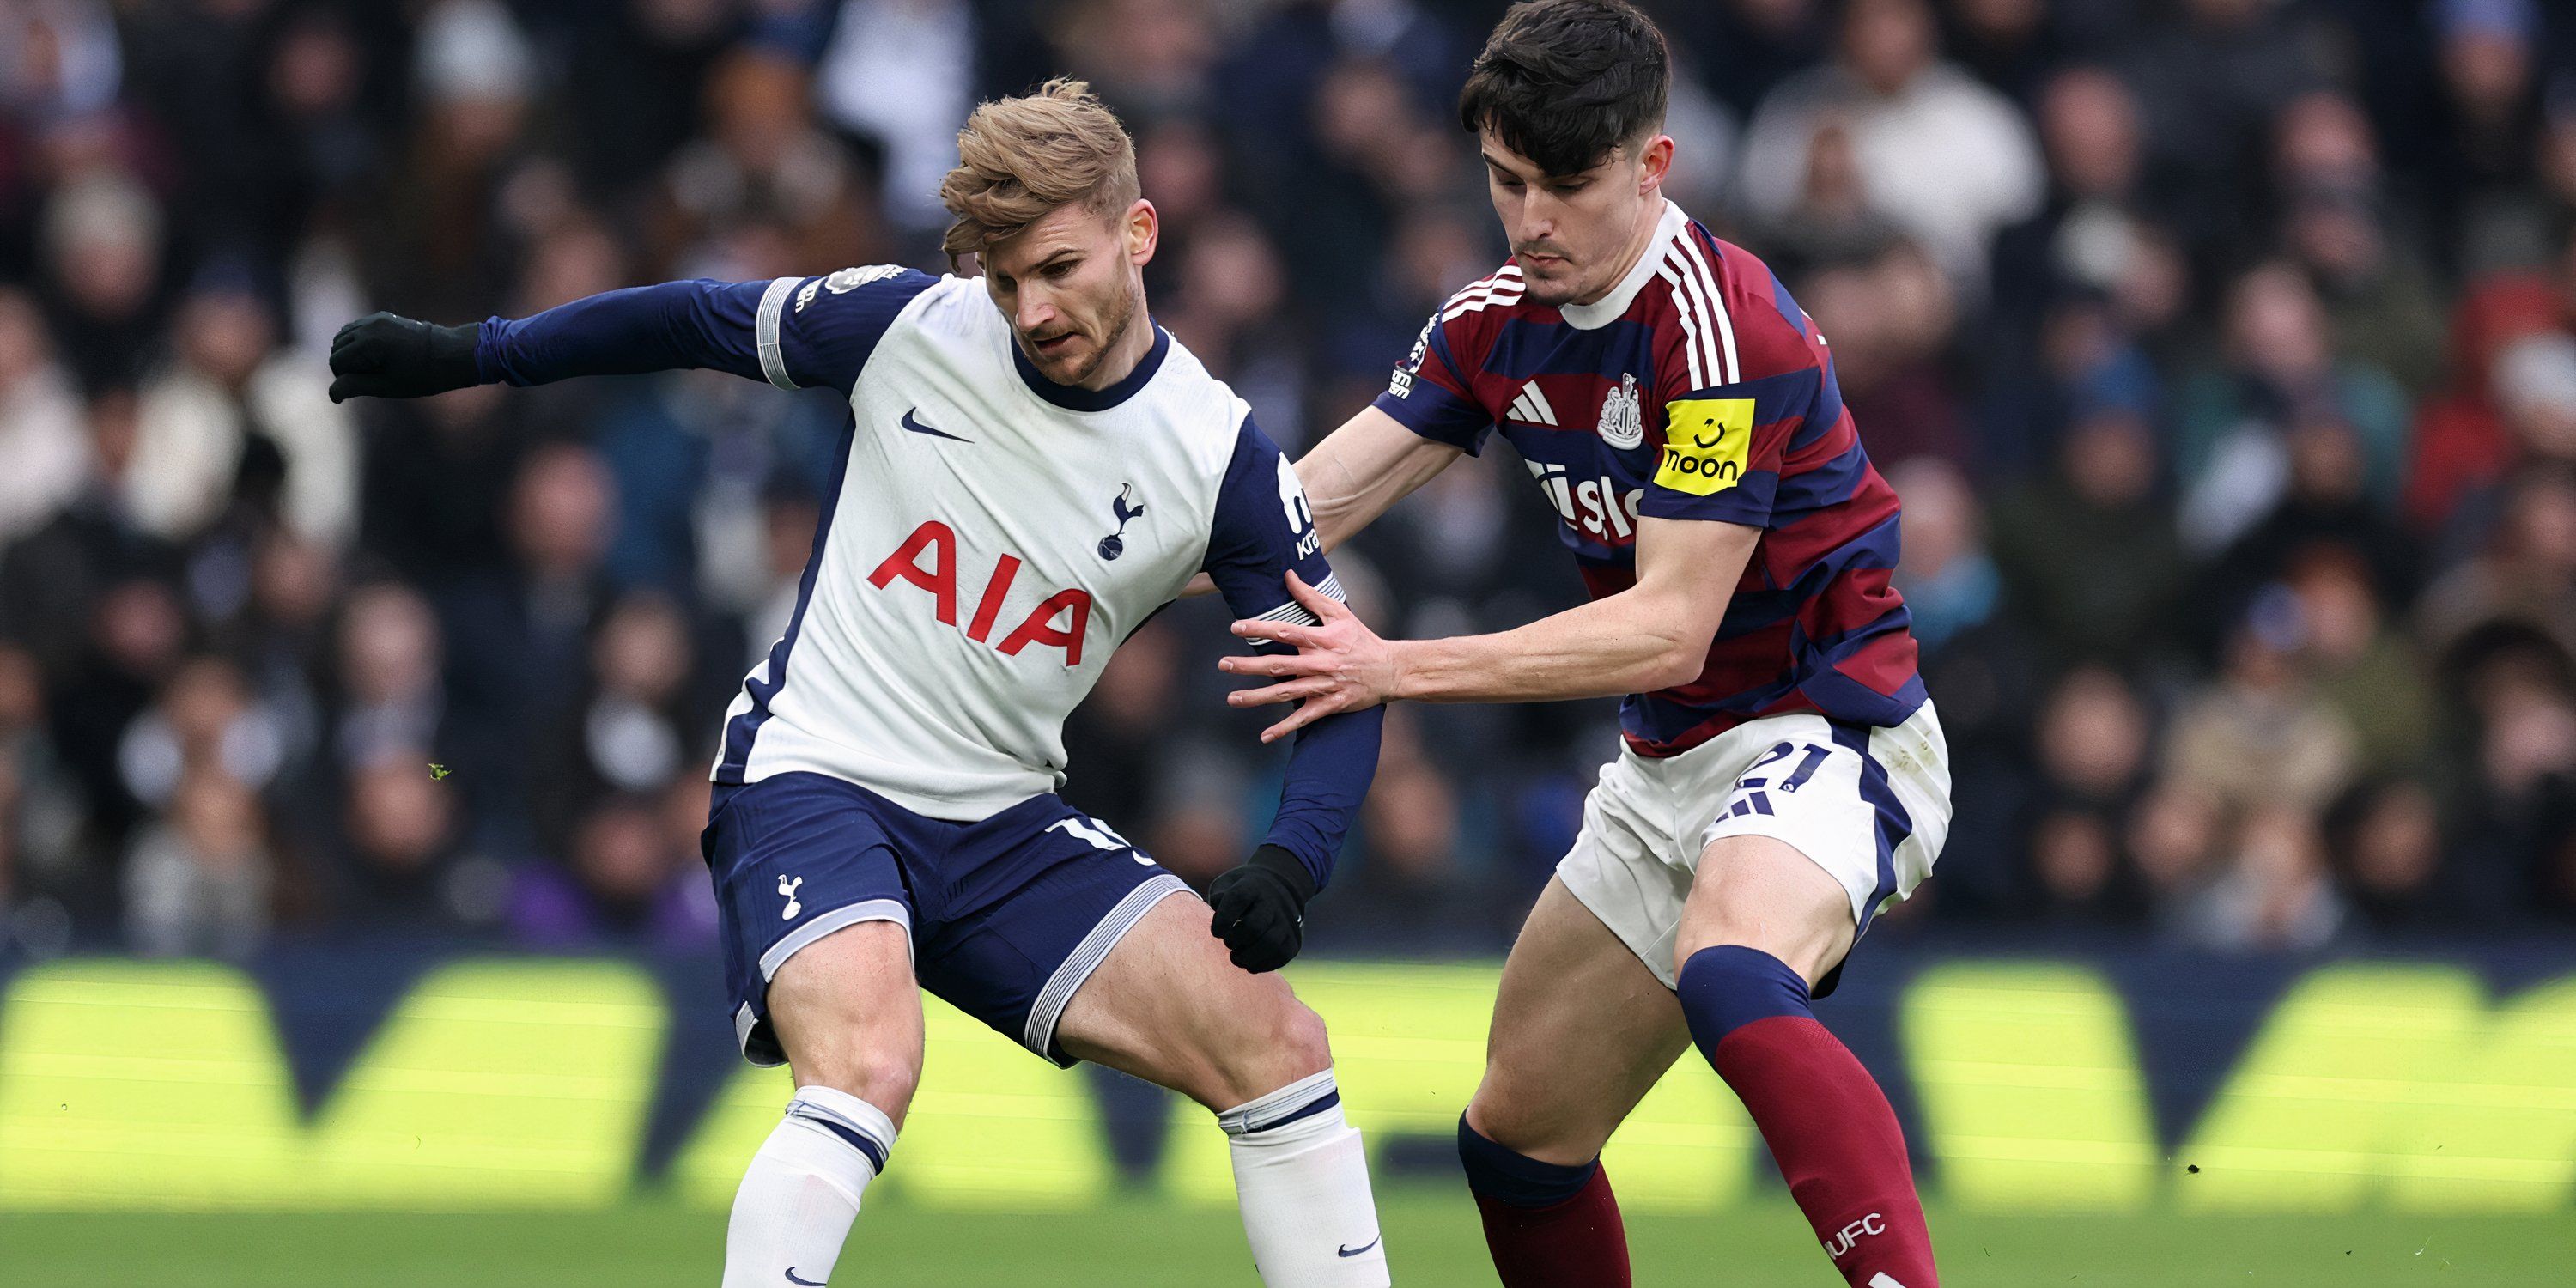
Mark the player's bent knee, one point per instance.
(1547, 1133)
(883, 1078)
(848, 1017)
(1300, 1044)
(1258, 1057)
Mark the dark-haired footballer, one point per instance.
(1783, 776)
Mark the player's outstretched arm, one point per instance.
(646, 328)
(1650, 636)
(792, 332)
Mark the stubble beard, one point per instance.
(1114, 333)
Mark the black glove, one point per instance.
(384, 356)
(1261, 909)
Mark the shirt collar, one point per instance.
(1610, 308)
(1077, 398)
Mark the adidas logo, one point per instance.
(1531, 407)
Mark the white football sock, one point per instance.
(802, 1191)
(1301, 1177)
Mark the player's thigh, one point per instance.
(813, 914)
(1582, 1031)
(849, 1015)
(1764, 893)
(1168, 1006)
(1831, 823)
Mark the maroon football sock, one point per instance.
(1825, 1119)
(1547, 1225)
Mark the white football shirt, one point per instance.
(990, 539)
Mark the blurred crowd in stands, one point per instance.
(2223, 352)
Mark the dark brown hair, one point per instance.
(1563, 82)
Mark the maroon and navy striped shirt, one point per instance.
(1695, 390)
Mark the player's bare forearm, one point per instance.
(1651, 636)
(1631, 642)
(1363, 468)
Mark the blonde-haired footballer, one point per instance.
(1033, 468)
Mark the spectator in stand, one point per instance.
(2259, 735)
(390, 697)
(435, 239)
(635, 78)
(632, 876)
(2053, 537)
(41, 809)
(2010, 45)
(2323, 506)
(51, 577)
(2273, 891)
(2526, 572)
(103, 243)
(2510, 851)
(764, 159)
(2461, 445)
(2279, 368)
(1890, 320)
(2093, 745)
(2362, 667)
(2210, 78)
(2337, 223)
(42, 434)
(2485, 156)
(638, 727)
(1946, 158)
(518, 642)
(1833, 224)
(2386, 842)
(901, 74)
(404, 870)
(2089, 226)
(1978, 657)
(198, 883)
(437, 486)
(1233, 314)
(238, 421)
(204, 721)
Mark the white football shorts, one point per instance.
(1869, 806)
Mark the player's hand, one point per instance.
(1261, 909)
(385, 356)
(1340, 664)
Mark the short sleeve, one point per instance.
(820, 331)
(1263, 529)
(1740, 392)
(1430, 394)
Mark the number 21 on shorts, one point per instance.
(1753, 790)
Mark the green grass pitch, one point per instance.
(1432, 1238)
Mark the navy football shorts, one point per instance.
(1007, 916)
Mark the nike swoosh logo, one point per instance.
(1353, 1252)
(809, 1283)
(910, 423)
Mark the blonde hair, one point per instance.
(1020, 158)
